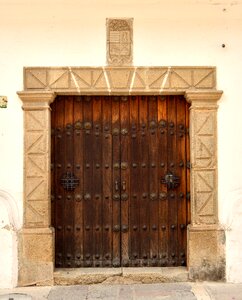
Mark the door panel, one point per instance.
(119, 180)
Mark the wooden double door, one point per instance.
(120, 180)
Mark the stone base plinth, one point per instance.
(36, 259)
(120, 275)
(206, 253)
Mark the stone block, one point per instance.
(58, 78)
(80, 79)
(35, 78)
(36, 214)
(158, 78)
(37, 256)
(36, 120)
(204, 78)
(204, 192)
(180, 80)
(120, 78)
(140, 79)
(206, 253)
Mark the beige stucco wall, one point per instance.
(72, 33)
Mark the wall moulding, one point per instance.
(197, 84)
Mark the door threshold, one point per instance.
(119, 275)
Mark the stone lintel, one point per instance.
(120, 79)
(206, 252)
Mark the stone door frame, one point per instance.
(206, 258)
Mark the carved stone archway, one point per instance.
(41, 85)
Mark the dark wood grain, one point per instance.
(69, 195)
(162, 165)
(116, 182)
(120, 148)
(172, 194)
(144, 179)
(181, 172)
(78, 172)
(88, 215)
(59, 159)
(125, 175)
(107, 186)
(135, 184)
(97, 181)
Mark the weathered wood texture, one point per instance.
(120, 212)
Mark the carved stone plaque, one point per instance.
(119, 42)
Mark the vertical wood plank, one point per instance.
(153, 181)
(135, 181)
(125, 175)
(116, 181)
(88, 181)
(78, 172)
(172, 167)
(162, 165)
(69, 207)
(97, 181)
(181, 172)
(107, 168)
(144, 179)
(59, 170)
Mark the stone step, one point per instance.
(120, 275)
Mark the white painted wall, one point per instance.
(175, 32)
(9, 224)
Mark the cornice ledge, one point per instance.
(203, 96)
(37, 96)
(35, 100)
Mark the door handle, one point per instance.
(116, 185)
(172, 181)
(124, 185)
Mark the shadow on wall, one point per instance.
(9, 225)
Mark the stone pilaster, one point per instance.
(205, 237)
(36, 239)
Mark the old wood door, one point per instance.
(120, 180)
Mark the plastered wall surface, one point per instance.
(9, 225)
(73, 33)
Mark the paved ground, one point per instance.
(161, 291)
